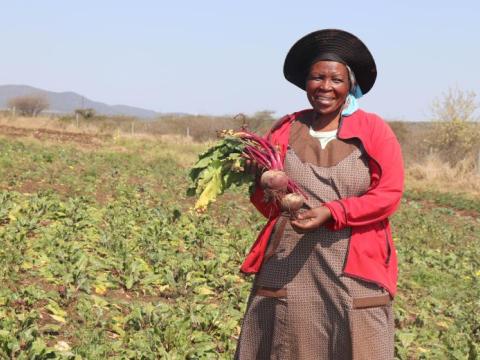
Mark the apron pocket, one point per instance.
(371, 330)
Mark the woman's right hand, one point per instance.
(311, 220)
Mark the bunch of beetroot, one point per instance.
(223, 165)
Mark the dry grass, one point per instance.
(51, 123)
(183, 149)
(434, 174)
(200, 128)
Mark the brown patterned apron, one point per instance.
(301, 306)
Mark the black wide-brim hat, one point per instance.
(330, 44)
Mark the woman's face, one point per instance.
(327, 86)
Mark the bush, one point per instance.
(28, 105)
(85, 113)
(400, 129)
(203, 127)
(455, 130)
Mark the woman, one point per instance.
(324, 281)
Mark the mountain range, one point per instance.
(68, 102)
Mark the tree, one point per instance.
(455, 105)
(85, 113)
(455, 131)
(260, 122)
(28, 105)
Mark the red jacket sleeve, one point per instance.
(386, 188)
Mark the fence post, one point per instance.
(478, 163)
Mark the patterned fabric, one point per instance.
(316, 319)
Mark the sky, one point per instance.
(225, 57)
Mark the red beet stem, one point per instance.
(259, 158)
(266, 151)
(265, 145)
(258, 155)
(258, 145)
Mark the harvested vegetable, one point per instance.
(291, 203)
(222, 166)
(274, 180)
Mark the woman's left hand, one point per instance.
(311, 220)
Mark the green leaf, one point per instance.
(204, 290)
(58, 318)
(217, 170)
(213, 188)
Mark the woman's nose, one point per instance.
(325, 85)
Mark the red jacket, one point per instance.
(371, 254)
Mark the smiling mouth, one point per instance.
(323, 99)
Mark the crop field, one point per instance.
(101, 257)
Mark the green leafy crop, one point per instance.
(217, 169)
(101, 259)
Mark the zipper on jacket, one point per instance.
(387, 240)
(379, 284)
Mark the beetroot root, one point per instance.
(292, 203)
(275, 180)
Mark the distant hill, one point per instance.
(68, 102)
